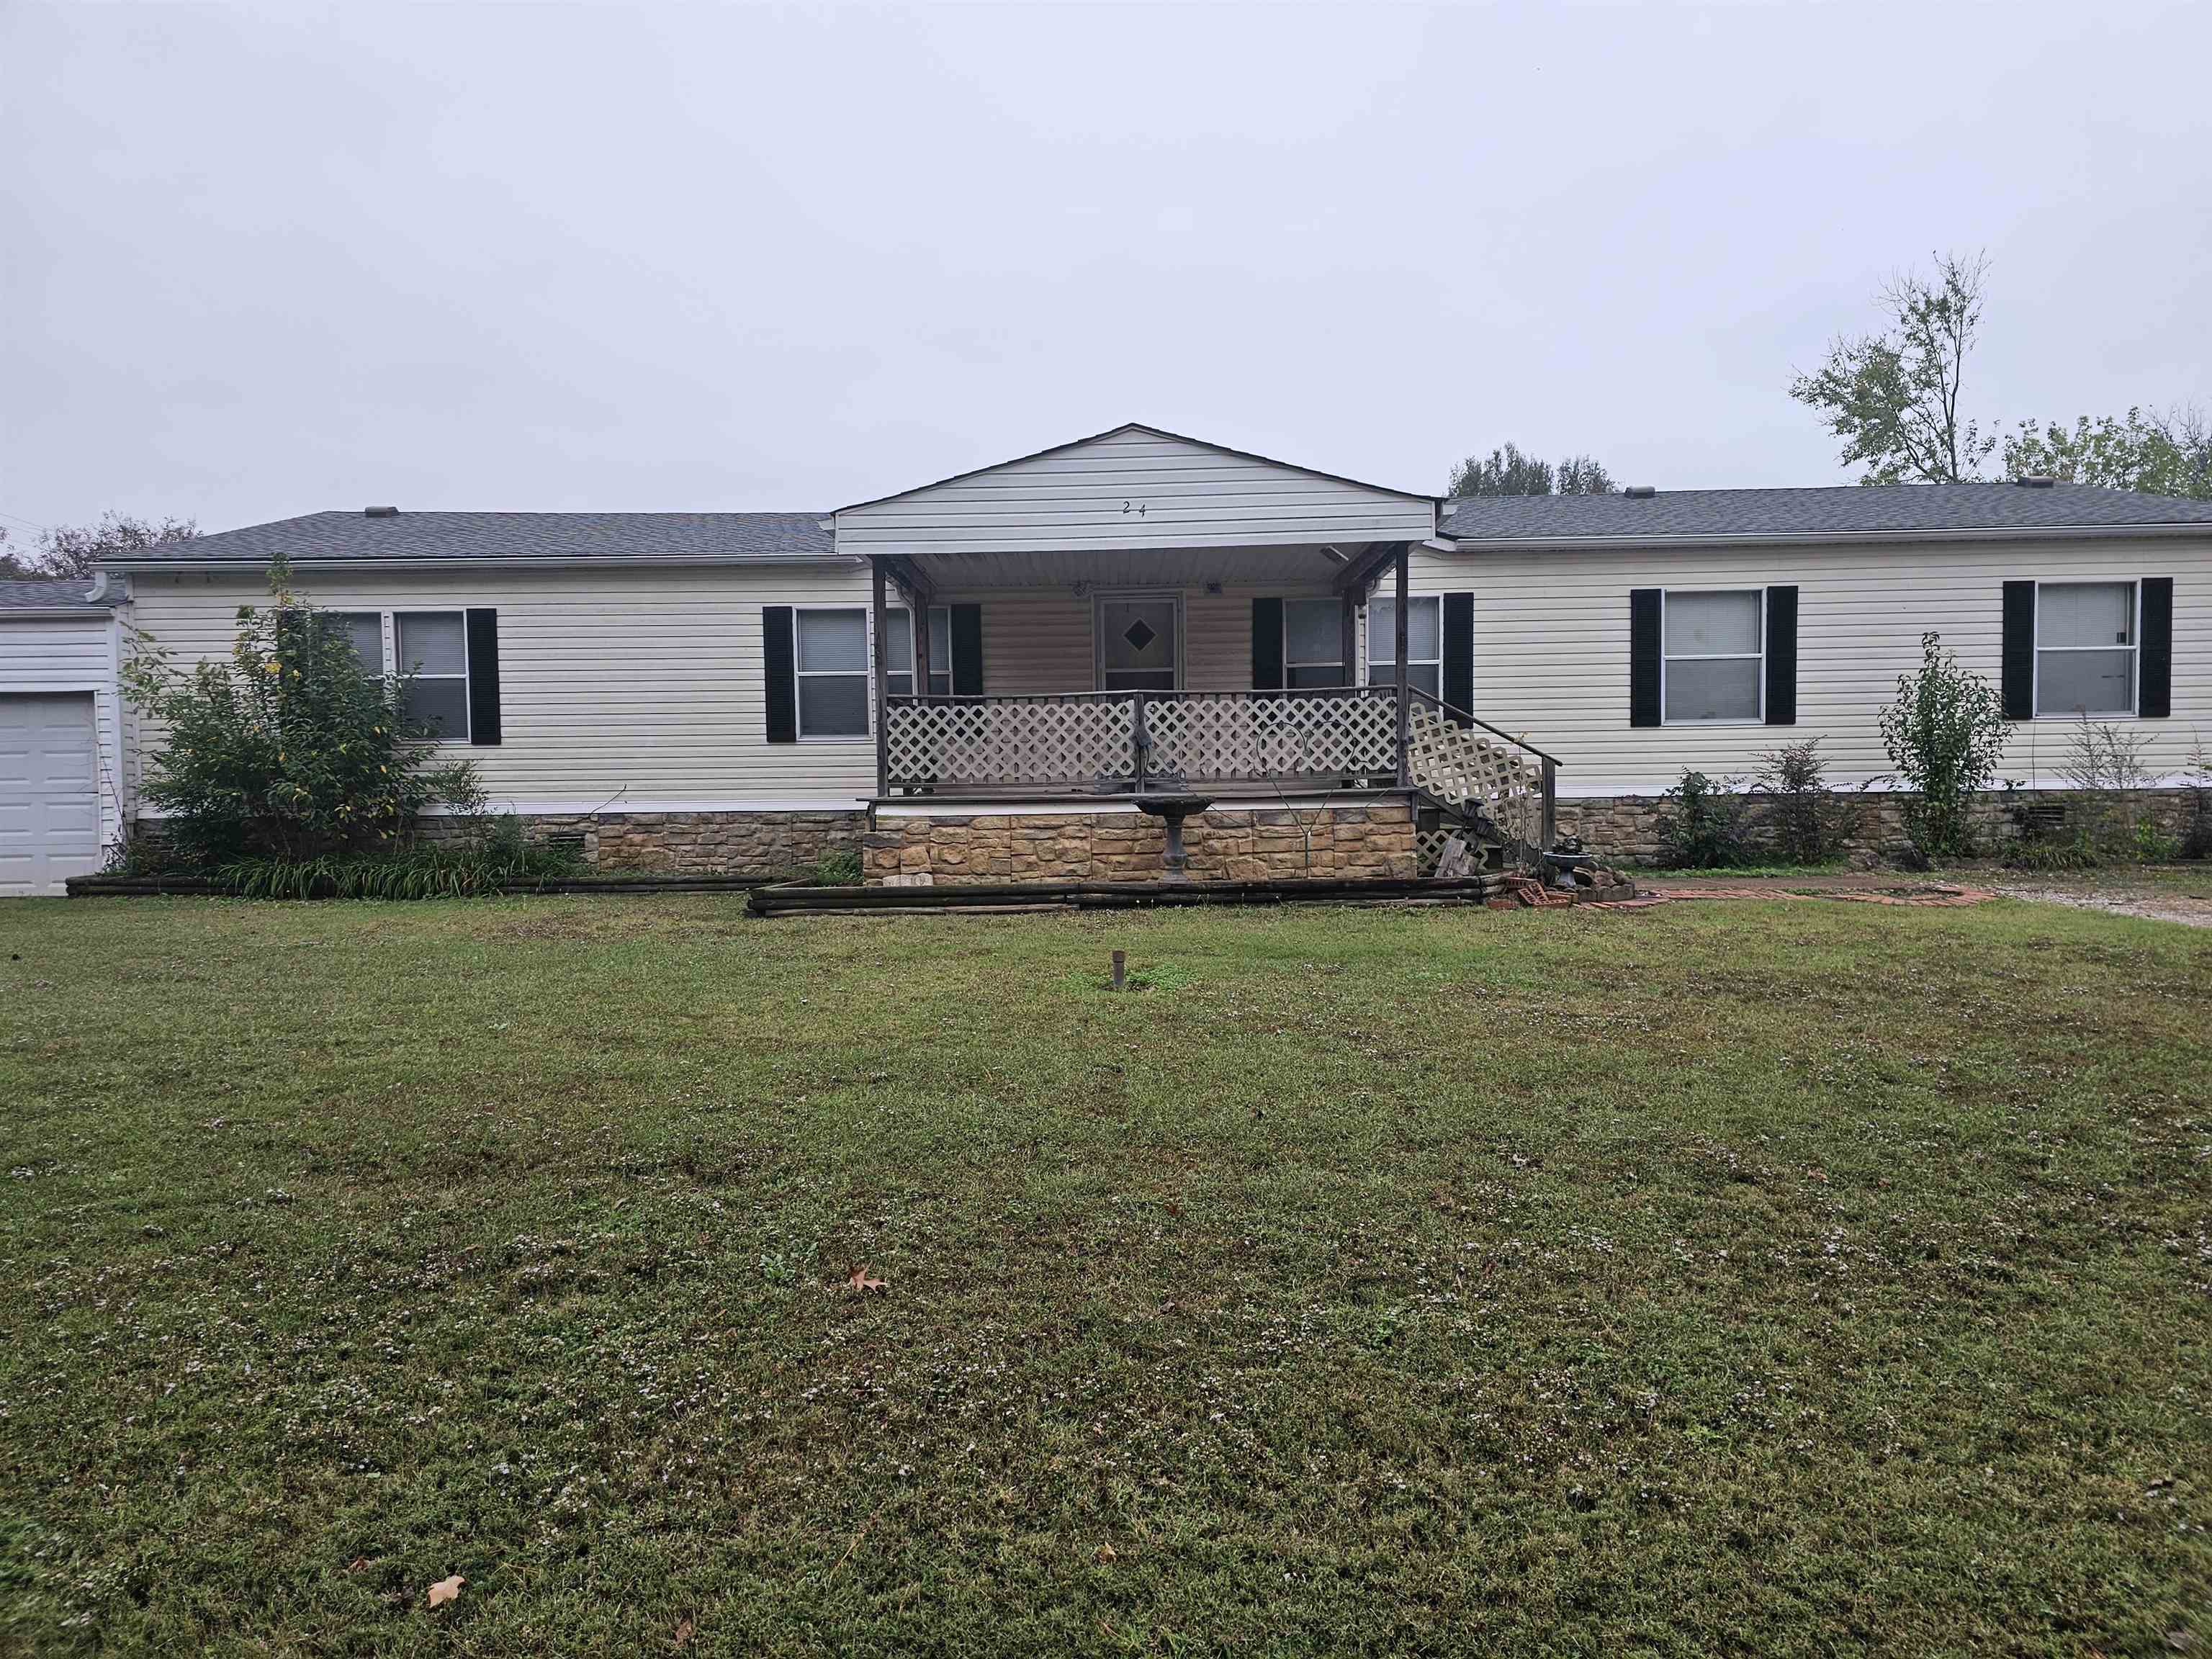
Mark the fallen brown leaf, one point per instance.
(356, 1563)
(1106, 1553)
(682, 1633)
(858, 1280)
(447, 1590)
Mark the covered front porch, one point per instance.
(1138, 618)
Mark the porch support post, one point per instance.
(1405, 703)
(919, 615)
(882, 679)
(1548, 827)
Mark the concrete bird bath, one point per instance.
(1171, 811)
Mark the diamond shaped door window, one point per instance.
(1139, 634)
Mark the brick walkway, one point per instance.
(1873, 889)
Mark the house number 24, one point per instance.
(1138, 508)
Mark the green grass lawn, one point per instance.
(1752, 1277)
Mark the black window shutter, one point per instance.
(1267, 645)
(2154, 696)
(2017, 679)
(967, 650)
(1781, 656)
(781, 673)
(1459, 650)
(1643, 656)
(483, 676)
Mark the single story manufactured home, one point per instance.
(1034, 670)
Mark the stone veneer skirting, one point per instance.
(1626, 827)
(781, 845)
(1225, 844)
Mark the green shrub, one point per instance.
(288, 749)
(1945, 733)
(2106, 819)
(840, 867)
(1701, 823)
(2197, 839)
(1800, 818)
(491, 855)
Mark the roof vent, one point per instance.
(2036, 481)
(380, 512)
(1639, 492)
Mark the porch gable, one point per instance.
(1136, 487)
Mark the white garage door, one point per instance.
(49, 792)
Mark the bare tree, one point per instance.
(1893, 398)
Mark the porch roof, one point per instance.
(1135, 490)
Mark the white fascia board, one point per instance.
(1826, 538)
(577, 561)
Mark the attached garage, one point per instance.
(48, 790)
(61, 724)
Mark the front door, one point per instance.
(1136, 644)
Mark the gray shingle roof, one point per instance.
(1842, 510)
(48, 595)
(347, 538)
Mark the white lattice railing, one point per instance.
(1202, 738)
(1465, 765)
(1236, 736)
(1084, 740)
(1073, 741)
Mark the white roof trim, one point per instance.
(1466, 543)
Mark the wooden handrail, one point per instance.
(1476, 719)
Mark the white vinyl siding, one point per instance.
(619, 691)
(73, 654)
(2085, 648)
(1713, 656)
(1551, 646)
(1131, 489)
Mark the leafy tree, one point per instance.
(1945, 733)
(288, 748)
(2168, 455)
(1581, 475)
(1893, 398)
(1507, 471)
(69, 551)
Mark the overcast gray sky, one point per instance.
(264, 260)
